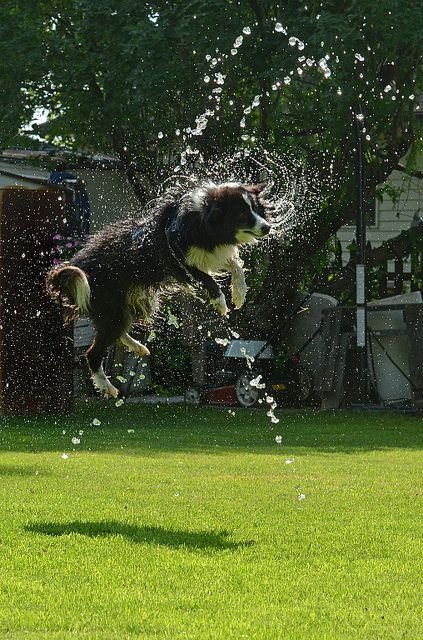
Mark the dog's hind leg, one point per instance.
(133, 345)
(94, 357)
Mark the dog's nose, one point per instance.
(265, 228)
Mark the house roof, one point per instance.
(46, 157)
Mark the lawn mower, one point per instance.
(248, 372)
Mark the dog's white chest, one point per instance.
(211, 261)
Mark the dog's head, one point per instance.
(232, 213)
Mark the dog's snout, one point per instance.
(265, 228)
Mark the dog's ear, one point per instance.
(255, 189)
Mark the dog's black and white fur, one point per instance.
(114, 279)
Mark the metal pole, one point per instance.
(361, 301)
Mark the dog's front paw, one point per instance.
(220, 305)
(239, 292)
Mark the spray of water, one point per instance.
(292, 190)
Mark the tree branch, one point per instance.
(412, 173)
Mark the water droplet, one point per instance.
(246, 31)
(279, 28)
(96, 422)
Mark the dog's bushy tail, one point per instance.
(69, 287)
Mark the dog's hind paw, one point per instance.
(111, 392)
(104, 385)
(220, 305)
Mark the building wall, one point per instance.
(111, 196)
(391, 217)
(36, 177)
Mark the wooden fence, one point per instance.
(396, 276)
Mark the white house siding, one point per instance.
(391, 218)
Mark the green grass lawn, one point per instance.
(167, 523)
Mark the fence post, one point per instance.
(382, 278)
(398, 275)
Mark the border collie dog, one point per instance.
(116, 277)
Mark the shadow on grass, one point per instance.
(144, 534)
(16, 470)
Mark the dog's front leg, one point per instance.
(238, 285)
(217, 298)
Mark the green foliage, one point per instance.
(325, 264)
(116, 74)
(21, 65)
(171, 360)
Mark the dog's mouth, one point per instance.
(244, 236)
(254, 234)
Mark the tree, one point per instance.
(20, 33)
(150, 82)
